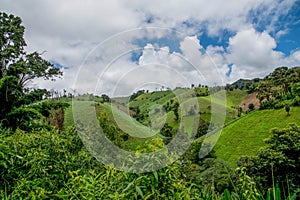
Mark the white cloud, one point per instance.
(293, 59)
(69, 30)
(253, 52)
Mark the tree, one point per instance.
(296, 89)
(18, 68)
(105, 98)
(14, 60)
(287, 109)
(279, 78)
(168, 131)
(263, 90)
(280, 85)
(175, 110)
(279, 161)
(136, 94)
(251, 106)
(229, 87)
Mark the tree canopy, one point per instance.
(18, 68)
(279, 88)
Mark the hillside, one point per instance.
(246, 136)
(147, 101)
(250, 98)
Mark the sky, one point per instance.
(118, 47)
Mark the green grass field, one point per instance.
(246, 136)
(242, 137)
(147, 100)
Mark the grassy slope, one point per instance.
(68, 116)
(246, 136)
(233, 99)
(243, 137)
(145, 101)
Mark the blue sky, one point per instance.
(290, 41)
(244, 39)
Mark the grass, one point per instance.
(121, 100)
(235, 97)
(128, 124)
(246, 136)
(69, 121)
(147, 100)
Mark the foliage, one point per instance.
(280, 159)
(51, 164)
(112, 132)
(17, 68)
(203, 128)
(23, 118)
(287, 109)
(136, 94)
(105, 98)
(48, 165)
(201, 91)
(34, 96)
(251, 106)
(175, 110)
(36, 165)
(57, 113)
(10, 95)
(168, 131)
(216, 173)
(280, 85)
(14, 60)
(245, 185)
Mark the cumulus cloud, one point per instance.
(253, 54)
(71, 31)
(251, 50)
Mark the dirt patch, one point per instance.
(250, 98)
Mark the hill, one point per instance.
(246, 136)
(244, 84)
(147, 101)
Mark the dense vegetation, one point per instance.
(43, 157)
(280, 88)
(17, 69)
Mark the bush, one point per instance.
(23, 118)
(251, 107)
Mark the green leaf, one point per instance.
(155, 175)
(138, 189)
(227, 195)
(128, 186)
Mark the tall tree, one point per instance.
(13, 58)
(17, 67)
